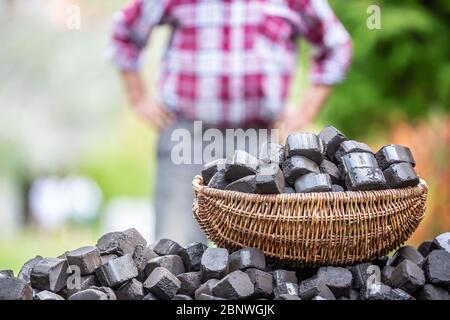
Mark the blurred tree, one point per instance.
(401, 71)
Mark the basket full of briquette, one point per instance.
(318, 200)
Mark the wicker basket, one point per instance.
(332, 228)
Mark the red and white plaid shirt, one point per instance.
(230, 62)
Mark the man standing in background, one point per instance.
(229, 64)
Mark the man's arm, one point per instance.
(145, 105)
(131, 30)
(314, 99)
(331, 60)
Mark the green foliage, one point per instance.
(399, 71)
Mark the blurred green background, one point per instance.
(63, 112)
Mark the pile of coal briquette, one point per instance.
(121, 266)
(314, 163)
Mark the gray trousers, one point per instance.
(173, 188)
(173, 191)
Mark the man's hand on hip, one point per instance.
(152, 112)
(301, 118)
(146, 106)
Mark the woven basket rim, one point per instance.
(311, 229)
(418, 190)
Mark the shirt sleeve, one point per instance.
(131, 29)
(331, 42)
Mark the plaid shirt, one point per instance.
(230, 62)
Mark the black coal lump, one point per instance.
(50, 274)
(408, 277)
(211, 168)
(6, 274)
(332, 138)
(442, 242)
(364, 179)
(313, 182)
(86, 258)
(190, 282)
(246, 184)
(361, 273)
(297, 166)
(393, 153)
(307, 145)
(313, 287)
(120, 243)
(27, 268)
(357, 160)
(215, 263)
(386, 275)
(241, 164)
(407, 253)
(338, 279)
(262, 281)
(432, 292)
(425, 247)
(247, 258)
(235, 286)
(46, 295)
(162, 283)
(192, 256)
(287, 297)
(337, 188)
(351, 146)
(173, 263)
(437, 268)
(269, 179)
(281, 276)
(401, 175)
(219, 181)
(272, 152)
(205, 288)
(288, 190)
(141, 256)
(89, 295)
(117, 271)
(130, 290)
(330, 168)
(15, 289)
(288, 288)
